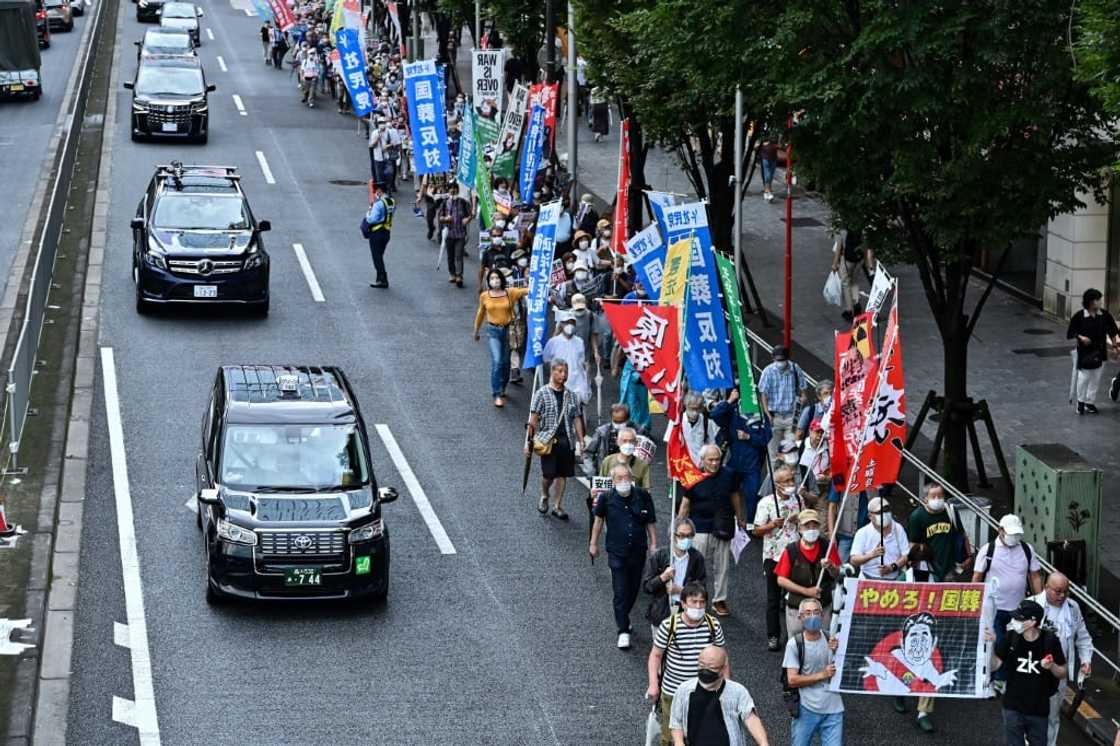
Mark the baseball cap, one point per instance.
(1028, 609)
(580, 264)
(816, 425)
(780, 352)
(579, 300)
(808, 515)
(877, 505)
(1011, 524)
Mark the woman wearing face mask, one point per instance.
(569, 348)
(496, 307)
(492, 255)
(581, 243)
(775, 522)
(881, 549)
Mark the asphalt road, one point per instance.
(509, 640)
(26, 127)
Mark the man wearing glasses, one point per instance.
(1064, 618)
(670, 569)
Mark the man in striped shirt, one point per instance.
(675, 655)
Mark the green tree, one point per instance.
(941, 130)
(1098, 49)
(522, 27)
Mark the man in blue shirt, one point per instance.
(778, 388)
(627, 512)
(747, 441)
(380, 221)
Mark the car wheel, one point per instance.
(37, 94)
(261, 309)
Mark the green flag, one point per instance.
(748, 401)
(482, 183)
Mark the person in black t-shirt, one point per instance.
(1035, 665)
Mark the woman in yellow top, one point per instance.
(496, 306)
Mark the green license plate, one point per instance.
(302, 576)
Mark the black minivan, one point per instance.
(287, 500)
(169, 99)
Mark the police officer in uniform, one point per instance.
(380, 220)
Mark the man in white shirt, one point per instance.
(1063, 616)
(1014, 564)
(719, 706)
(697, 428)
(880, 549)
(775, 521)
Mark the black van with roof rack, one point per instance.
(288, 504)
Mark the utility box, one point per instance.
(1058, 498)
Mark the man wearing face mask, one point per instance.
(747, 441)
(881, 549)
(804, 572)
(585, 328)
(493, 255)
(1034, 663)
(675, 655)
(455, 215)
(1063, 617)
(627, 512)
(604, 441)
(1015, 563)
(566, 347)
(713, 709)
(627, 443)
(716, 508)
(669, 570)
(698, 428)
(776, 524)
(809, 666)
(778, 389)
(583, 283)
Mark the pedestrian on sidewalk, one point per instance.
(1095, 330)
(1035, 665)
(713, 709)
(675, 655)
(748, 439)
(380, 222)
(600, 113)
(779, 387)
(776, 524)
(809, 667)
(455, 216)
(848, 253)
(716, 508)
(627, 443)
(768, 159)
(496, 306)
(556, 423)
(626, 511)
(1015, 564)
(669, 570)
(1062, 616)
(804, 572)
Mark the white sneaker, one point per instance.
(624, 641)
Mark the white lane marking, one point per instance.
(222, 64)
(121, 635)
(191, 505)
(264, 167)
(141, 712)
(209, 34)
(308, 273)
(249, 12)
(414, 489)
(240, 106)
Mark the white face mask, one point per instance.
(1016, 626)
(882, 520)
(782, 364)
(692, 415)
(581, 274)
(790, 458)
(495, 283)
(623, 488)
(500, 224)
(789, 490)
(810, 535)
(584, 244)
(1012, 540)
(936, 504)
(626, 449)
(569, 330)
(694, 614)
(523, 263)
(570, 266)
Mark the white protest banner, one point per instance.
(880, 286)
(506, 150)
(487, 76)
(644, 449)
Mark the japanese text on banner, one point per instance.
(748, 398)
(426, 119)
(506, 151)
(650, 338)
(531, 154)
(540, 269)
(464, 173)
(645, 251)
(353, 63)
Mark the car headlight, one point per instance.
(367, 532)
(234, 534)
(143, 3)
(254, 260)
(154, 255)
(199, 107)
(139, 107)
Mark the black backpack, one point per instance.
(991, 553)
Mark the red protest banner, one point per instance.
(650, 337)
(855, 367)
(622, 191)
(885, 428)
(681, 466)
(282, 13)
(545, 96)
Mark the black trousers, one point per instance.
(378, 242)
(626, 581)
(773, 600)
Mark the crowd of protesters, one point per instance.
(766, 474)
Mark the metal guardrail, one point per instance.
(927, 474)
(21, 370)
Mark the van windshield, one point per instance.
(293, 458)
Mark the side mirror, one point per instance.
(128, 84)
(137, 223)
(386, 494)
(210, 88)
(264, 226)
(137, 43)
(208, 497)
(200, 13)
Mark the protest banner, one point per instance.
(600, 486)
(748, 398)
(353, 62)
(531, 154)
(880, 286)
(482, 184)
(540, 267)
(855, 367)
(283, 15)
(545, 96)
(645, 251)
(645, 449)
(911, 640)
(681, 466)
(659, 202)
(395, 19)
(675, 278)
(558, 276)
(426, 119)
(707, 350)
(487, 76)
(464, 172)
(506, 152)
(622, 191)
(264, 12)
(884, 432)
(650, 338)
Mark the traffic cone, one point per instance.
(6, 529)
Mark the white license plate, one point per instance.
(16, 87)
(206, 291)
(170, 127)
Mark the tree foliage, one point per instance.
(1098, 50)
(942, 129)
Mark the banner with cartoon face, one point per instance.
(911, 639)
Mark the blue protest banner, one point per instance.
(707, 349)
(532, 150)
(645, 251)
(659, 202)
(464, 174)
(263, 11)
(540, 268)
(426, 119)
(352, 59)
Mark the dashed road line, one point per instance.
(264, 168)
(209, 34)
(222, 64)
(308, 273)
(240, 106)
(414, 489)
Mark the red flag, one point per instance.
(650, 337)
(282, 13)
(885, 428)
(681, 466)
(622, 192)
(545, 95)
(855, 367)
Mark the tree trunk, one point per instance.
(958, 406)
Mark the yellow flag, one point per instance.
(675, 277)
(336, 18)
